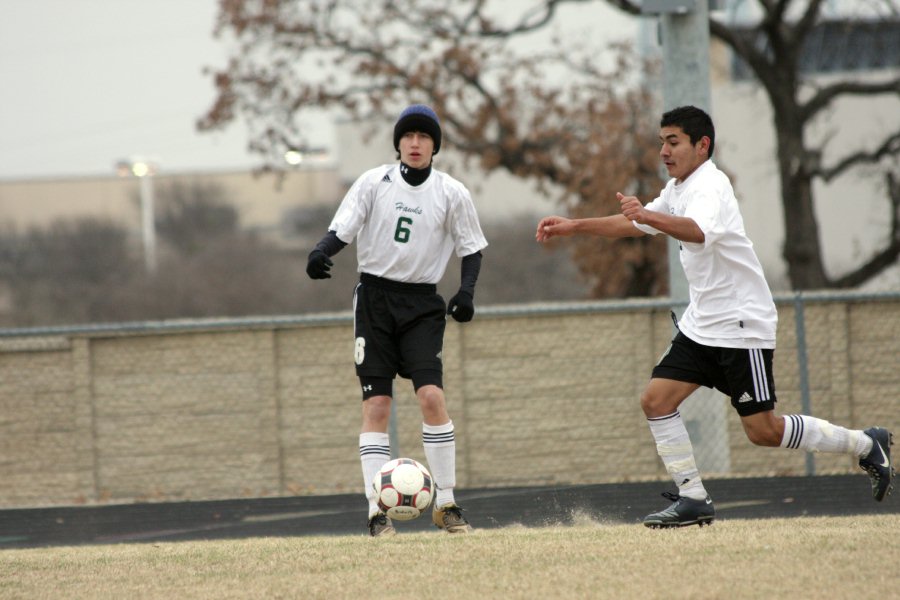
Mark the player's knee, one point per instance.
(433, 404)
(428, 384)
(377, 392)
(430, 397)
(376, 412)
(654, 405)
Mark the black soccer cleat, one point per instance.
(380, 526)
(877, 463)
(682, 512)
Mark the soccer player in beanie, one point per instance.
(407, 219)
(726, 336)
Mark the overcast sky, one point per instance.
(88, 82)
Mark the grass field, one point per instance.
(820, 557)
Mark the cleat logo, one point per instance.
(884, 459)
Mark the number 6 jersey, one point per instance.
(407, 233)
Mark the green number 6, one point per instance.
(401, 234)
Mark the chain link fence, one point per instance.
(540, 395)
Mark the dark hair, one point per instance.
(694, 122)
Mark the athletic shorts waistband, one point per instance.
(397, 286)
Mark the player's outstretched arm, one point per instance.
(615, 226)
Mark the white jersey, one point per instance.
(730, 305)
(407, 233)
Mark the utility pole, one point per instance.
(683, 33)
(685, 38)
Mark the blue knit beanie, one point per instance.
(418, 117)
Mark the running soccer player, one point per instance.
(407, 219)
(726, 337)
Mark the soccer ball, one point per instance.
(403, 488)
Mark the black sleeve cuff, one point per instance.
(469, 269)
(330, 244)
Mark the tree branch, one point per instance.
(823, 97)
(532, 20)
(889, 255)
(767, 6)
(808, 20)
(890, 147)
(741, 43)
(626, 6)
(776, 14)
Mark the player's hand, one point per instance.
(461, 307)
(631, 207)
(552, 226)
(318, 265)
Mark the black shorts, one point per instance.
(743, 375)
(399, 328)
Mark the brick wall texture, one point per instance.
(537, 397)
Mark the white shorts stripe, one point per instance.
(758, 372)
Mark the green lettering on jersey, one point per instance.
(401, 234)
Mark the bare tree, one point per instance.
(550, 112)
(67, 272)
(192, 214)
(213, 267)
(773, 48)
(89, 270)
(567, 115)
(520, 270)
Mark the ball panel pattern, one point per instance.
(404, 488)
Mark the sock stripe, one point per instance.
(674, 415)
(375, 450)
(796, 431)
(437, 438)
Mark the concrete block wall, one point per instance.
(256, 409)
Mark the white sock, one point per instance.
(674, 448)
(818, 435)
(374, 451)
(439, 443)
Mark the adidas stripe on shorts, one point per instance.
(744, 375)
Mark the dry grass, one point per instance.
(822, 557)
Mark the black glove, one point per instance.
(461, 307)
(318, 265)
